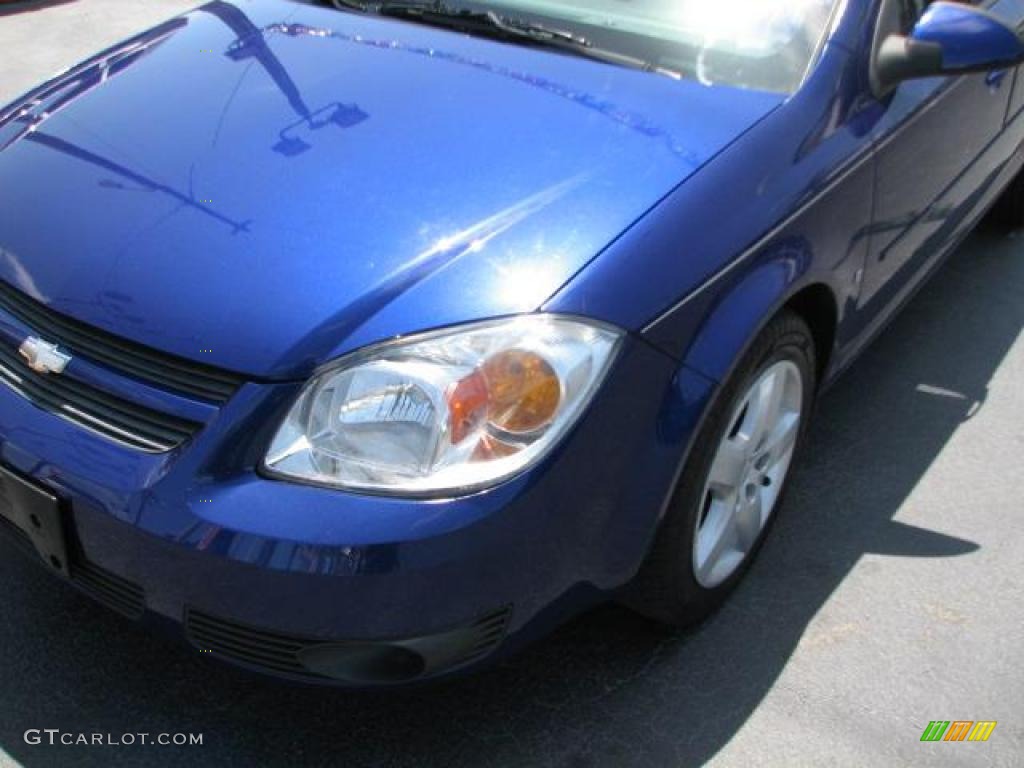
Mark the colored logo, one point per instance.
(958, 730)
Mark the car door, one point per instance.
(935, 154)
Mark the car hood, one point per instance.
(264, 185)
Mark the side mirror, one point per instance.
(949, 39)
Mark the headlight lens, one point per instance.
(452, 411)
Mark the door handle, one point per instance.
(994, 79)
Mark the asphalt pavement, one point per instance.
(888, 595)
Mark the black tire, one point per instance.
(1008, 212)
(666, 588)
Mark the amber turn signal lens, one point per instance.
(524, 391)
(467, 403)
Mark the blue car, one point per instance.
(364, 345)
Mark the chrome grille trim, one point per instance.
(128, 358)
(100, 412)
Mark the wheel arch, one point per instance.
(735, 318)
(817, 305)
(730, 323)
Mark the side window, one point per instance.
(912, 10)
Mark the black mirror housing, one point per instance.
(903, 58)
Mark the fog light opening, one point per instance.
(364, 662)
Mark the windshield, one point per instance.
(761, 44)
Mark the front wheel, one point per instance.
(734, 479)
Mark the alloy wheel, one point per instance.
(747, 472)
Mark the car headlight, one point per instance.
(451, 411)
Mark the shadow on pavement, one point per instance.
(605, 689)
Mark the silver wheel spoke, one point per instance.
(764, 408)
(727, 468)
(749, 519)
(722, 518)
(783, 437)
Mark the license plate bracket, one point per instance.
(36, 512)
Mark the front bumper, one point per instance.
(258, 570)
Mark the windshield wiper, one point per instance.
(493, 24)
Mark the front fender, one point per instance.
(715, 326)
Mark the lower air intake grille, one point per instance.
(125, 597)
(94, 409)
(254, 647)
(115, 592)
(361, 662)
(489, 631)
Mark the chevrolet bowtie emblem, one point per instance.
(42, 356)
